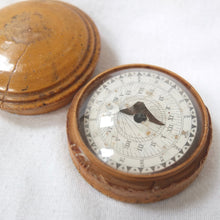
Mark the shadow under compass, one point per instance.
(51, 119)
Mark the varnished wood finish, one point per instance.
(48, 49)
(129, 187)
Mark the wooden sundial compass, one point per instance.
(138, 133)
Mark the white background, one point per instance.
(37, 177)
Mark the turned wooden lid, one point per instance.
(48, 49)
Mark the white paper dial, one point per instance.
(140, 122)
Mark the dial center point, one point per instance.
(140, 117)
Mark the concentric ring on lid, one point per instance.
(48, 49)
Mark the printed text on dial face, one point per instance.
(146, 147)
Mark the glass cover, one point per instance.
(140, 121)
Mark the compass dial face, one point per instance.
(140, 122)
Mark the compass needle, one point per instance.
(141, 113)
(128, 111)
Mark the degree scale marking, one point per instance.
(122, 143)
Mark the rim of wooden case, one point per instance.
(61, 92)
(104, 178)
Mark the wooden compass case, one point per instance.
(128, 187)
(48, 51)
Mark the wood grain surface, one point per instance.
(48, 51)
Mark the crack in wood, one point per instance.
(12, 73)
